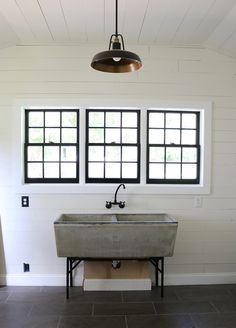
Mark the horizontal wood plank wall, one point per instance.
(206, 239)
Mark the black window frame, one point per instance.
(180, 145)
(59, 144)
(87, 144)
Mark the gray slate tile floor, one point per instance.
(210, 306)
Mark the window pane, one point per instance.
(96, 135)
(68, 170)
(51, 170)
(129, 135)
(189, 137)
(156, 171)
(173, 154)
(52, 135)
(113, 119)
(52, 118)
(189, 154)
(156, 120)
(112, 135)
(112, 153)
(156, 154)
(96, 153)
(96, 170)
(189, 121)
(189, 171)
(35, 153)
(172, 137)
(36, 135)
(129, 120)
(172, 171)
(172, 120)
(156, 136)
(68, 153)
(69, 119)
(35, 118)
(112, 170)
(129, 154)
(96, 119)
(35, 170)
(129, 170)
(69, 135)
(51, 153)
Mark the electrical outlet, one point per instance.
(24, 201)
(198, 201)
(26, 267)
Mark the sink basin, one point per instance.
(115, 235)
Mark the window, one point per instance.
(51, 146)
(161, 149)
(112, 146)
(173, 147)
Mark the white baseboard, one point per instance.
(117, 284)
(36, 280)
(170, 279)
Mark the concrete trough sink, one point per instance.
(115, 236)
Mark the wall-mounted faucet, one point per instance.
(121, 204)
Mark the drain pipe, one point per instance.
(116, 264)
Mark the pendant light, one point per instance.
(116, 59)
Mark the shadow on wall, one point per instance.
(2, 259)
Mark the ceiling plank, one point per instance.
(223, 30)
(35, 19)
(173, 20)
(94, 13)
(133, 20)
(156, 11)
(7, 35)
(55, 20)
(11, 11)
(190, 23)
(211, 27)
(74, 11)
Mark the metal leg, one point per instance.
(157, 272)
(67, 277)
(71, 273)
(162, 276)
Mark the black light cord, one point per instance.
(116, 33)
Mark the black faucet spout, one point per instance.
(117, 189)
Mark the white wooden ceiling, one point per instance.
(204, 23)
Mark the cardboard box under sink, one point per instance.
(132, 275)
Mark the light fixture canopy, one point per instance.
(116, 59)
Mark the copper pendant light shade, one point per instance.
(116, 59)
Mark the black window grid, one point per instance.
(43, 144)
(106, 144)
(179, 145)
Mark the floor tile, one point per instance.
(225, 306)
(160, 321)
(3, 296)
(36, 297)
(42, 322)
(78, 295)
(20, 288)
(184, 307)
(14, 310)
(203, 293)
(153, 295)
(93, 322)
(123, 308)
(215, 320)
(61, 309)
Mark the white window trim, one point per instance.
(204, 107)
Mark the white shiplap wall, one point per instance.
(206, 242)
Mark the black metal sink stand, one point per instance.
(73, 262)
